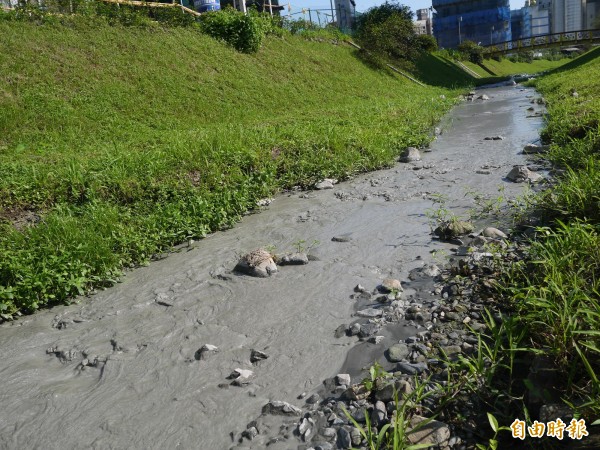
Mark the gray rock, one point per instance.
(376, 339)
(354, 329)
(451, 349)
(341, 238)
(327, 183)
(294, 259)
(494, 233)
(533, 149)
(428, 270)
(483, 97)
(426, 431)
(453, 228)
(521, 174)
(493, 138)
(411, 368)
(344, 438)
(323, 446)
(411, 154)
(205, 351)
(250, 433)
(397, 352)
(313, 399)
(281, 408)
(370, 313)
(355, 436)
(437, 131)
(257, 263)
(164, 299)
(390, 284)
(368, 329)
(387, 392)
(342, 379)
(257, 355)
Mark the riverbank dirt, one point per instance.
(124, 368)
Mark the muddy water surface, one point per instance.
(144, 386)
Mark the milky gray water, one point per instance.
(144, 387)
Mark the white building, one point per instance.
(345, 10)
(540, 16)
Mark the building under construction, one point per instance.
(481, 21)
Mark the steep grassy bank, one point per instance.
(120, 142)
(546, 349)
(507, 67)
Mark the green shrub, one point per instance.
(471, 51)
(244, 32)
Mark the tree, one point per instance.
(386, 34)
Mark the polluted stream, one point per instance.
(123, 368)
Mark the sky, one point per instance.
(361, 5)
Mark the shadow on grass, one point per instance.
(437, 71)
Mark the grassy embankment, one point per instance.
(121, 142)
(506, 67)
(546, 350)
(558, 291)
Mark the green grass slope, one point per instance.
(506, 67)
(121, 142)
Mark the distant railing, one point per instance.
(546, 40)
(154, 5)
(140, 3)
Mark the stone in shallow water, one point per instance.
(281, 408)
(410, 154)
(327, 183)
(370, 313)
(390, 284)
(257, 263)
(521, 174)
(294, 259)
(397, 352)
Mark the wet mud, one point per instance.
(122, 369)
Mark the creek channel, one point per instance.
(121, 368)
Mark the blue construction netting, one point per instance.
(481, 21)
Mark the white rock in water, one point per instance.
(242, 374)
(327, 183)
(283, 408)
(494, 233)
(370, 313)
(521, 174)
(391, 284)
(342, 379)
(410, 154)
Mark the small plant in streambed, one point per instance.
(393, 435)
(496, 428)
(301, 245)
(486, 205)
